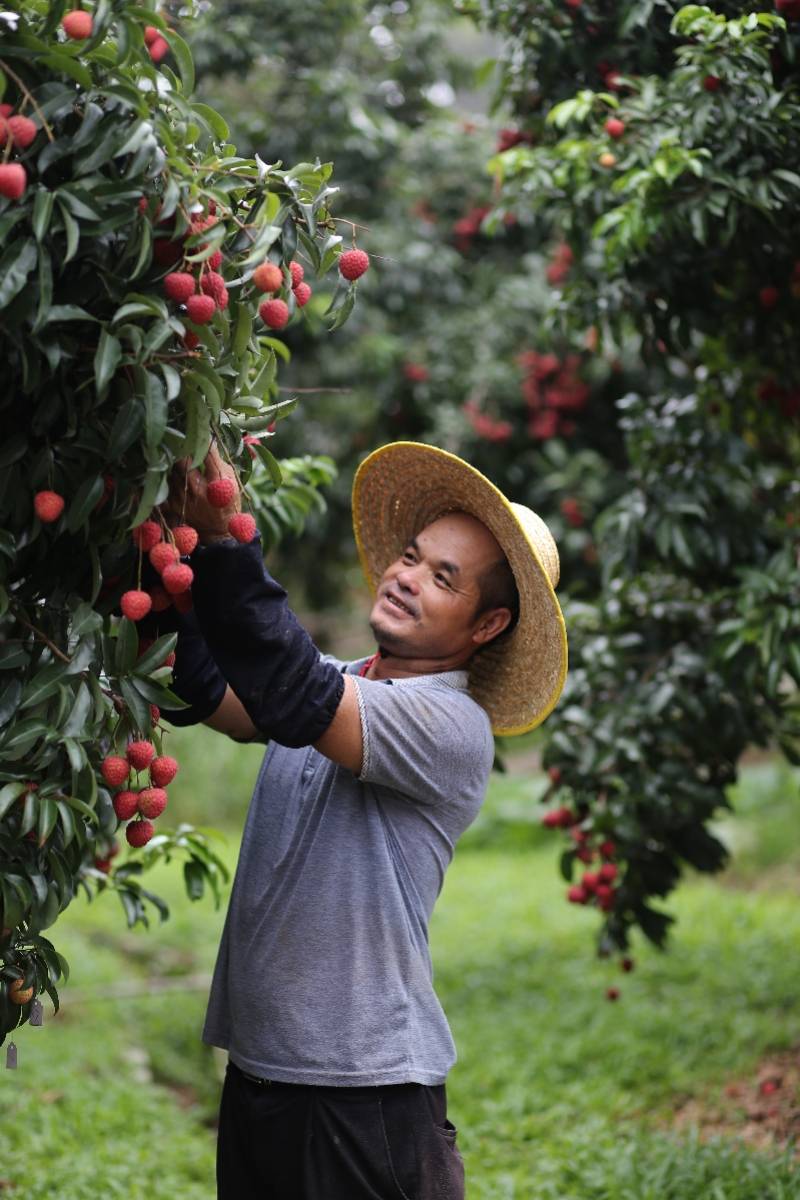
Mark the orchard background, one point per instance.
(585, 278)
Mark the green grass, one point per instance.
(558, 1094)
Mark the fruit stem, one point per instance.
(28, 97)
(41, 636)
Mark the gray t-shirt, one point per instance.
(324, 974)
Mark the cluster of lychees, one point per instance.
(16, 133)
(142, 805)
(166, 547)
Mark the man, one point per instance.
(322, 994)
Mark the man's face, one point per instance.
(427, 600)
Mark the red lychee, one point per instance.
(214, 261)
(243, 527)
(268, 277)
(179, 286)
(183, 601)
(200, 309)
(627, 964)
(23, 131)
(138, 833)
(607, 848)
(302, 294)
(155, 714)
(353, 264)
(614, 127)
(48, 506)
(768, 297)
(274, 313)
(712, 83)
(77, 24)
(160, 599)
(297, 272)
(177, 578)
(607, 873)
(115, 769)
(162, 771)
(152, 802)
(159, 48)
(163, 555)
(146, 535)
(135, 604)
(13, 180)
(220, 492)
(185, 539)
(577, 894)
(125, 804)
(612, 993)
(140, 754)
(150, 34)
(212, 284)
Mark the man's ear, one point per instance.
(490, 625)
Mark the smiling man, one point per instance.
(323, 994)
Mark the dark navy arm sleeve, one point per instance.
(260, 647)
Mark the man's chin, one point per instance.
(386, 637)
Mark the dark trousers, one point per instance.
(285, 1141)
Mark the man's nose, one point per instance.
(408, 578)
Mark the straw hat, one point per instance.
(401, 488)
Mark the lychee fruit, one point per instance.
(302, 294)
(140, 754)
(115, 769)
(212, 284)
(614, 127)
(768, 297)
(13, 180)
(607, 159)
(712, 83)
(607, 873)
(353, 264)
(152, 802)
(177, 578)
(274, 313)
(162, 771)
(607, 848)
(627, 964)
(146, 535)
(151, 34)
(214, 261)
(159, 598)
(125, 804)
(163, 555)
(612, 993)
(200, 309)
(220, 492)
(159, 48)
(48, 506)
(577, 894)
(243, 527)
(18, 993)
(23, 131)
(77, 24)
(191, 340)
(185, 539)
(297, 272)
(268, 277)
(179, 286)
(135, 604)
(155, 714)
(138, 833)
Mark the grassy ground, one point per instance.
(558, 1094)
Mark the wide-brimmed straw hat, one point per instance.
(401, 488)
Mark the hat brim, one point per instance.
(404, 486)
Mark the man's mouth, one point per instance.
(396, 602)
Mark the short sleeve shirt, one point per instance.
(324, 974)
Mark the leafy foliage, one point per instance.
(127, 178)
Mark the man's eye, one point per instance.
(408, 556)
(442, 578)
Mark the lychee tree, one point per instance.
(672, 175)
(146, 273)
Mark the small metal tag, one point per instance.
(37, 1012)
(11, 1057)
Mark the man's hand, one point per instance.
(188, 497)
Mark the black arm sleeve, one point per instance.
(260, 647)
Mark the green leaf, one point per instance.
(8, 795)
(127, 646)
(106, 360)
(197, 437)
(155, 410)
(183, 58)
(271, 463)
(15, 266)
(84, 502)
(127, 426)
(42, 212)
(212, 118)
